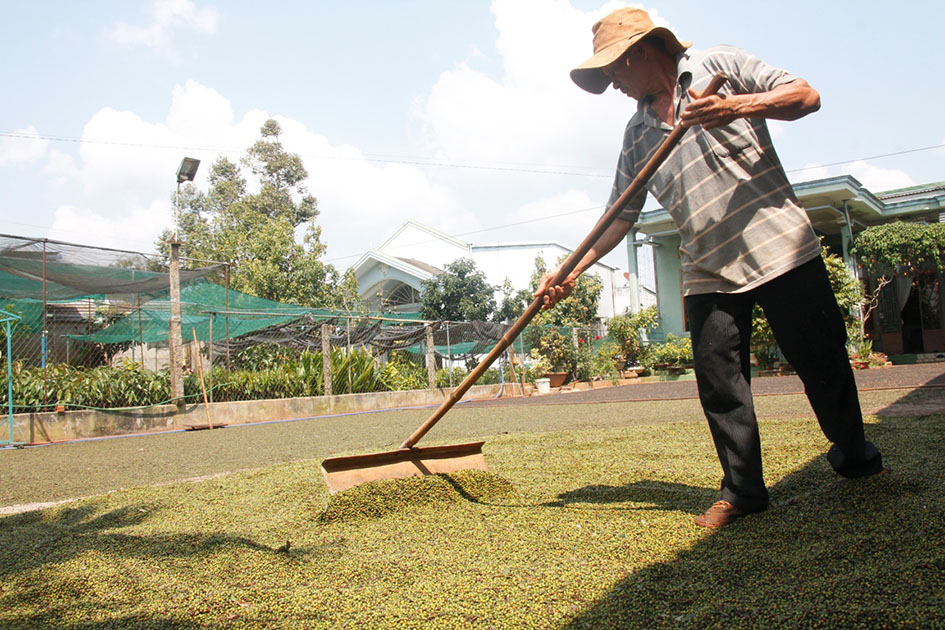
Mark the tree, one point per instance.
(899, 248)
(460, 293)
(256, 232)
(579, 308)
(628, 330)
(513, 304)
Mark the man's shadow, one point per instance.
(829, 552)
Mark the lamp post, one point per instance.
(185, 173)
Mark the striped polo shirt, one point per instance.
(739, 221)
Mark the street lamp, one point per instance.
(187, 170)
(185, 173)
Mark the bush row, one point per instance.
(131, 385)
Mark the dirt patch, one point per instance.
(29, 507)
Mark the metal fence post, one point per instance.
(44, 334)
(326, 358)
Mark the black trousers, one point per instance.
(808, 325)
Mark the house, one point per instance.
(910, 319)
(391, 276)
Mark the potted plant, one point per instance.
(559, 354)
(628, 331)
(673, 355)
(861, 350)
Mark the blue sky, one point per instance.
(456, 114)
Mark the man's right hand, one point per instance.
(552, 294)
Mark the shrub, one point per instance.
(606, 361)
(628, 330)
(131, 385)
(674, 351)
(443, 376)
(556, 348)
(402, 372)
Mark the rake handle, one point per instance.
(566, 268)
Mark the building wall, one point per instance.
(381, 273)
(514, 262)
(668, 284)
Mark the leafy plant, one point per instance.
(850, 298)
(578, 309)
(557, 349)
(401, 372)
(606, 361)
(900, 248)
(674, 351)
(629, 330)
(443, 376)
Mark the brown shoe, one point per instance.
(721, 513)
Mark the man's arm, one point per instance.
(788, 101)
(615, 233)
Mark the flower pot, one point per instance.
(556, 379)
(543, 385)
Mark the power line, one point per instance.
(588, 171)
(493, 166)
(579, 171)
(865, 159)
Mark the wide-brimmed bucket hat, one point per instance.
(613, 36)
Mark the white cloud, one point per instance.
(810, 172)
(530, 118)
(135, 161)
(61, 167)
(878, 179)
(23, 146)
(776, 128)
(134, 229)
(362, 202)
(874, 178)
(166, 16)
(568, 216)
(533, 114)
(126, 163)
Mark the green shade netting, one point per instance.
(30, 313)
(17, 287)
(467, 347)
(75, 271)
(204, 306)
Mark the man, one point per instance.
(745, 239)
